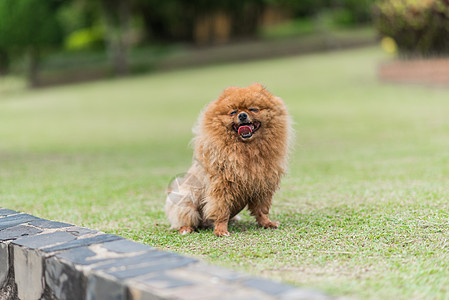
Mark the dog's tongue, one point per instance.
(243, 130)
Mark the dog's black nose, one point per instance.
(243, 116)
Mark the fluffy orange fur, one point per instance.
(241, 148)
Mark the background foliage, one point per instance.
(418, 27)
(83, 28)
(33, 27)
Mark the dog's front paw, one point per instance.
(185, 230)
(270, 224)
(220, 233)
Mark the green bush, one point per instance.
(85, 39)
(418, 27)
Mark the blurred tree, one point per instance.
(31, 27)
(88, 24)
(215, 21)
(117, 15)
(360, 10)
(356, 11)
(35, 26)
(166, 21)
(4, 62)
(82, 25)
(300, 8)
(78, 14)
(201, 21)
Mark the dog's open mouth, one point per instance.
(246, 130)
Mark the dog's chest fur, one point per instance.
(246, 171)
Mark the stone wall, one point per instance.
(41, 259)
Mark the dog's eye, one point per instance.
(253, 109)
(233, 113)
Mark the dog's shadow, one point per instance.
(240, 225)
(243, 225)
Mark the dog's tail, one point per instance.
(181, 206)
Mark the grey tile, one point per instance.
(100, 288)
(80, 231)
(305, 294)
(15, 232)
(41, 223)
(146, 258)
(126, 246)
(14, 220)
(139, 293)
(45, 240)
(81, 256)
(7, 212)
(4, 263)
(64, 280)
(28, 270)
(218, 272)
(267, 286)
(160, 266)
(164, 281)
(102, 238)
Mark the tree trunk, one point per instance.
(116, 15)
(33, 67)
(4, 62)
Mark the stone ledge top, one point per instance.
(105, 266)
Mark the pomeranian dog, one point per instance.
(240, 154)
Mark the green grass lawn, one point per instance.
(363, 210)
